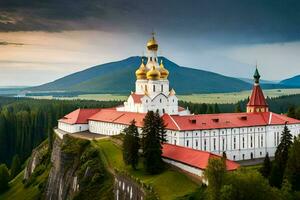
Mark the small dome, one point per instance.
(164, 73)
(153, 74)
(141, 72)
(152, 44)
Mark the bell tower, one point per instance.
(257, 101)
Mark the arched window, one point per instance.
(159, 100)
(251, 155)
(162, 88)
(153, 88)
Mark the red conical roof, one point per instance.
(257, 97)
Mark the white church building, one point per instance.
(242, 136)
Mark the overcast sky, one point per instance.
(44, 40)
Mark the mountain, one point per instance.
(294, 81)
(119, 77)
(250, 80)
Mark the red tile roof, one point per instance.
(119, 117)
(79, 116)
(192, 157)
(225, 120)
(177, 122)
(137, 98)
(257, 97)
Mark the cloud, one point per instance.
(11, 43)
(234, 21)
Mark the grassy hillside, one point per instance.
(170, 184)
(119, 77)
(19, 192)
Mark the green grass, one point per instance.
(170, 184)
(232, 97)
(19, 192)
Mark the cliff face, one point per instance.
(38, 155)
(62, 181)
(75, 171)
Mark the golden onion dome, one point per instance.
(164, 73)
(153, 74)
(141, 72)
(152, 44)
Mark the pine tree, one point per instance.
(161, 128)
(131, 145)
(4, 178)
(266, 168)
(215, 174)
(238, 108)
(281, 154)
(15, 167)
(209, 110)
(152, 149)
(292, 111)
(216, 108)
(292, 171)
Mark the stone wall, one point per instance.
(127, 189)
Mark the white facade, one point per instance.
(152, 93)
(72, 128)
(239, 143)
(190, 169)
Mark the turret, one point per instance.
(257, 101)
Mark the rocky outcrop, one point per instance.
(75, 170)
(35, 160)
(62, 181)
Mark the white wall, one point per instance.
(72, 128)
(236, 142)
(185, 167)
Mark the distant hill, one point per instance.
(119, 77)
(294, 81)
(250, 80)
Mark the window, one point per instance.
(204, 144)
(243, 142)
(162, 88)
(243, 156)
(251, 155)
(261, 141)
(153, 88)
(159, 100)
(187, 143)
(251, 141)
(175, 142)
(223, 144)
(234, 157)
(196, 143)
(234, 142)
(214, 144)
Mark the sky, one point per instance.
(41, 41)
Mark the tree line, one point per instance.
(276, 104)
(25, 123)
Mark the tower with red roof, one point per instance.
(257, 102)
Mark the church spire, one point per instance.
(256, 75)
(257, 101)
